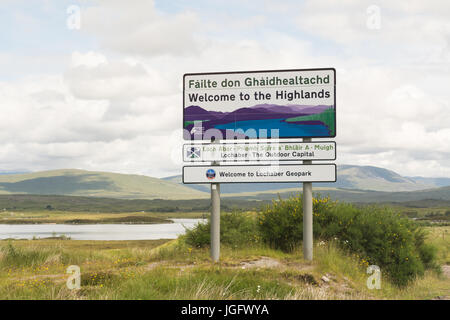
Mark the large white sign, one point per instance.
(281, 151)
(260, 104)
(260, 173)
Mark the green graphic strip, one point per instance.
(327, 117)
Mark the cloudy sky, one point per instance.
(97, 85)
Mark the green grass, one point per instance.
(51, 203)
(440, 237)
(65, 217)
(405, 201)
(379, 235)
(161, 269)
(173, 270)
(327, 117)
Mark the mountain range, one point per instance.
(368, 178)
(76, 182)
(352, 180)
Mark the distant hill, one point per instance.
(376, 183)
(420, 198)
(375, 178)
(348, 177)
(437, 182)
(74, 182)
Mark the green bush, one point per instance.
(379, 236)
(281, 224)
(236, 230)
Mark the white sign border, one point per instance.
(263, 71)
(263, 165)
(195, 144)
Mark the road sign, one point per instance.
(260, 173)
(297, 103)
(253, 151)
(277, 104)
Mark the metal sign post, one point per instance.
(215, 221)
(307, 216)
(215, 218)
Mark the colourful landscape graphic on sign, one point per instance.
(291, 121)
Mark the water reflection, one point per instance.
(99, 231)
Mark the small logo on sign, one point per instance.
(193, 153)
(210, 174)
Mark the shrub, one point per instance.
(236, 230)
(377, 235)
(281, 224)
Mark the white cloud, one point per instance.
(135, 27)
(118, 108)
(384, 117)
(93, 76)
(409, 31)
(90, 59)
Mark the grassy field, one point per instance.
(36, 269)
(440, 236)
(49, 203)
(437, 213)
(66, 217)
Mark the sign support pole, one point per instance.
(307, 216)
(215, 219)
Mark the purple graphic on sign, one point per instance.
(290, 120)
(260, 104)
